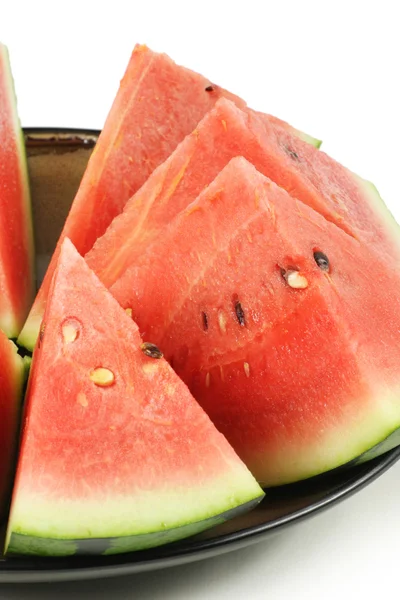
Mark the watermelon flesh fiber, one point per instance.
(297, 379)
(225, 132)
(16, 240)
(157, 105)
(117, 468)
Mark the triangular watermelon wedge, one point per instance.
(16, 239)
(225, 132)
(285, 328)
(157, 105)
(116, 455)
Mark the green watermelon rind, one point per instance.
(23, 542)
(12, 330)
(32, 546)
(27, 362)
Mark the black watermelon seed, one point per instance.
(322, 260)
(209, 88)
(240, 314)
(205, 320)
(151, 350)
(292, 153)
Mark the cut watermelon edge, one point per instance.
(13, 327)
(90, 521)
(122, 522)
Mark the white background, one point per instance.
(330, 68)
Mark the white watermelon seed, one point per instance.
(102, 377)
(222, 321)
(296, 280)
(128, 312)
(208, 380)
(82, 400)
(150, 367)
(246, 367)
(70, 332)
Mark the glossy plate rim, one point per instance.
(48, 570)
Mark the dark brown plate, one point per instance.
(57, 159)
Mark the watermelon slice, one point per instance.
(116, 455)
(12, 378)
(157, 105)
(225, 132)
(285, 328)
(16, 240)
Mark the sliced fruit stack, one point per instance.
(16, 271)
(219, 240)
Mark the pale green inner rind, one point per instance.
(378, 205)
(355, 436)
(19, 371)
(8, 321)
(143, 512)
(392, 441)
(10, 327)
(308, 138)
(25, 544)
(30, 332)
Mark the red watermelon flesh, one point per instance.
(157, 105)
(11, 383)
(225, 132)
(16, 240)
(300, 380)
(123, 466)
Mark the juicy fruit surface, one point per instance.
(16, 240)
(113, 443)
(157, 104)
(11, 383)
(298, 379)
(226, 132)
